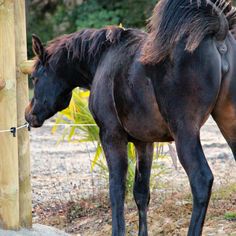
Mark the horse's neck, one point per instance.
(82, 69)
(81, 73)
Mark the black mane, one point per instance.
(82, 45)
(88, 44)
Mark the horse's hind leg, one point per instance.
(186, 96)
(186, 133)
(115, 148)
(200, 177)
(141, 185)
(224, 115)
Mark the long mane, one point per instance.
(83, 45)
(192, 19)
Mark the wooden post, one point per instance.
(2, 83)
(9, 183)
(25, 199)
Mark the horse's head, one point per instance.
(52, 92)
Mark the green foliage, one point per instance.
(91, 14)
(51, 18)
(78, 113)
(230, 216)
(96, 14)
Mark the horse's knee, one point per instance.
(142, 198)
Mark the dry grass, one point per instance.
(169, 214)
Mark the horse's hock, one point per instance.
(15, 187)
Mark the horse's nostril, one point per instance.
(33, 120)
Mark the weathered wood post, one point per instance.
(9, 182)
(22, 101)
(2, 83)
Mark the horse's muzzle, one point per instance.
(30, 117)
(33, 120)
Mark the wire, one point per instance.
(16, 128)
(23, 126)
(70, 125)
(13, 130)
(5, 130)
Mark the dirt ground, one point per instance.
(67, 195)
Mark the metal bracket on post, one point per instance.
(13, 131)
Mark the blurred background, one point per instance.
(50, 18)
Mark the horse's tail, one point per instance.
(192, 19)
(223, 29)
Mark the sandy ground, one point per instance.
(62, 171)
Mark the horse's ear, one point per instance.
(38, 47)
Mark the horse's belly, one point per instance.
(147, 128)
(138, 111)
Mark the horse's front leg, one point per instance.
(115, 148)
(142, 181)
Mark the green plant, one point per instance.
(230, 216)
(78, 113)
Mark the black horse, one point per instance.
(145, 88)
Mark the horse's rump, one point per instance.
(194, 20)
